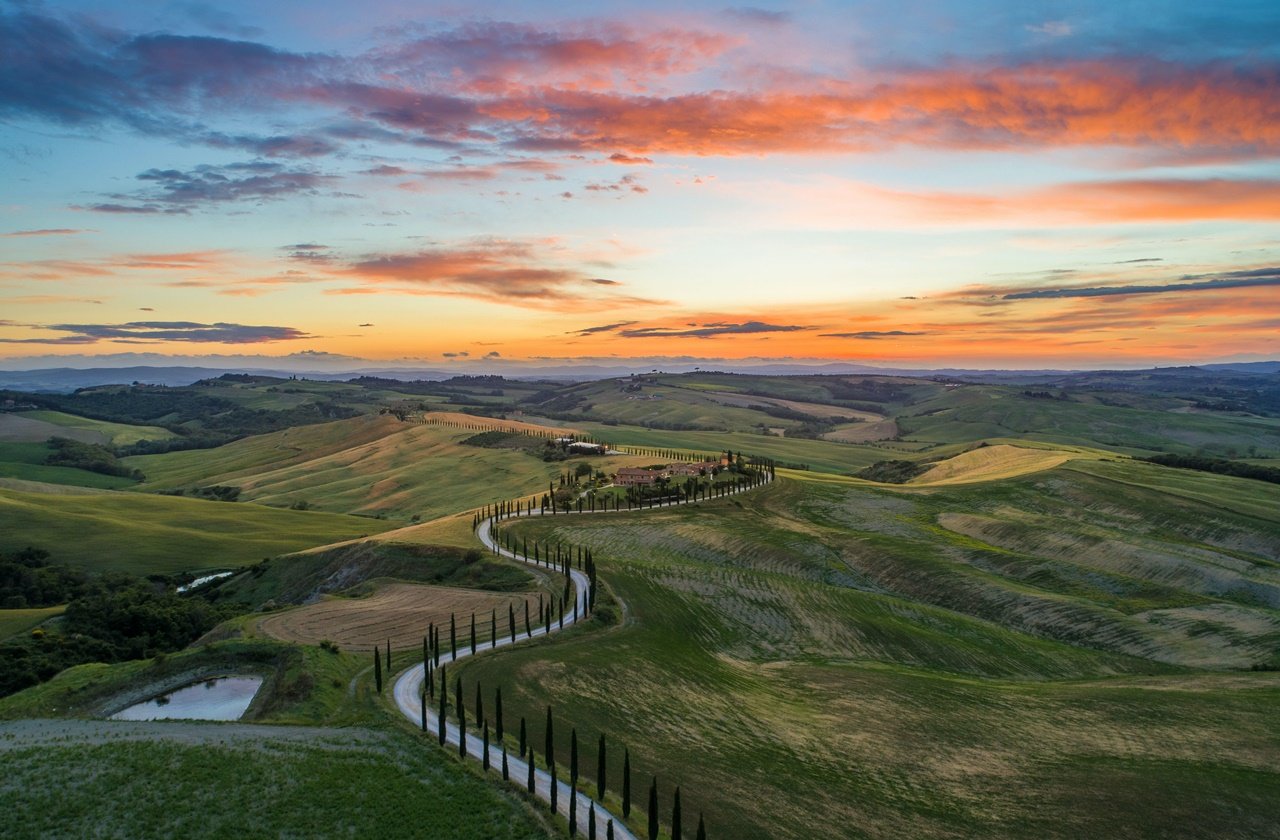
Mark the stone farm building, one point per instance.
(632, 476)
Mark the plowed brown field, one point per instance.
(397, 611)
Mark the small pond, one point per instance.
(218, 698)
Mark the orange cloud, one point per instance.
(519, 273)
(1094, 103)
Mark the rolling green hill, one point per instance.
(144, 533)
(974, 658)
(372, 465)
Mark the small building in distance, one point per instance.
(633, 476)
(581, 447)
(685, 468)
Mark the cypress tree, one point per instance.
(626, 783)
(511, 621)
(506, 771)
(549, 749)
(528, 630)
(573, 810)
(608, 831)
(497, 712)
(675, 816)
(388, 657)
(453, 638)
(591, 822)
(462, 720)
(444, 706)
(473, 634)
(653, 809)
(485, 758)
(523, 740)
(529, 783)
(555, 786)
(573, 756)
(435, 647)
(426, 654)
(377, 669)
(702, 828)
(493, 628)
(479, 705)
(424, 706)
(600, 769)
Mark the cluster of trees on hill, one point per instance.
(893, 472)
(28, 579)
(109, 618)
(1221, 466)
(217, 419)
(88, 456)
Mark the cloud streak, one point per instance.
(150, 332)
(713, 330)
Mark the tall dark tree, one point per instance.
(493, 628)
(549, 748)
(608, 830)
(528, 628)
(479, 705)
(506, 770)
(675, 816)
(529, 783)
(523, 740)
(453, 638)
(600, 769)
(573, 810)
(462, 720)
(485, 756)
(555, 786)
(591, 822)
(426, 654)
(511, 621)
(473, 634)
(653, 809)
(444, 706)
(388, 657)
(424, 706)
(626, 783)
(377, 669)
(573, 756)
(702, 828)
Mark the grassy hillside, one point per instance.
(976, 412)
(144, 533)
(115, 434)
(13, 622)
(365, 774)
(156, 780)
(26, 462)
(374, 465)
(1010, 659)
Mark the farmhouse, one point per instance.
(693, 469)
(632, 476)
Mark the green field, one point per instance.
(25, 462)
(818, 653)
(977, 412)
(115, 434)
(372, 465)
(13, 622)
(144, 533)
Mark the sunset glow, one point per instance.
(944, 184)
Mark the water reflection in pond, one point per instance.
(220, 698)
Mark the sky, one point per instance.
(918, 184)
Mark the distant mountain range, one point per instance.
(66, 379)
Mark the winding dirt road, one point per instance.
(407, 692)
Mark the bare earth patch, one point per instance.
(398, 611)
